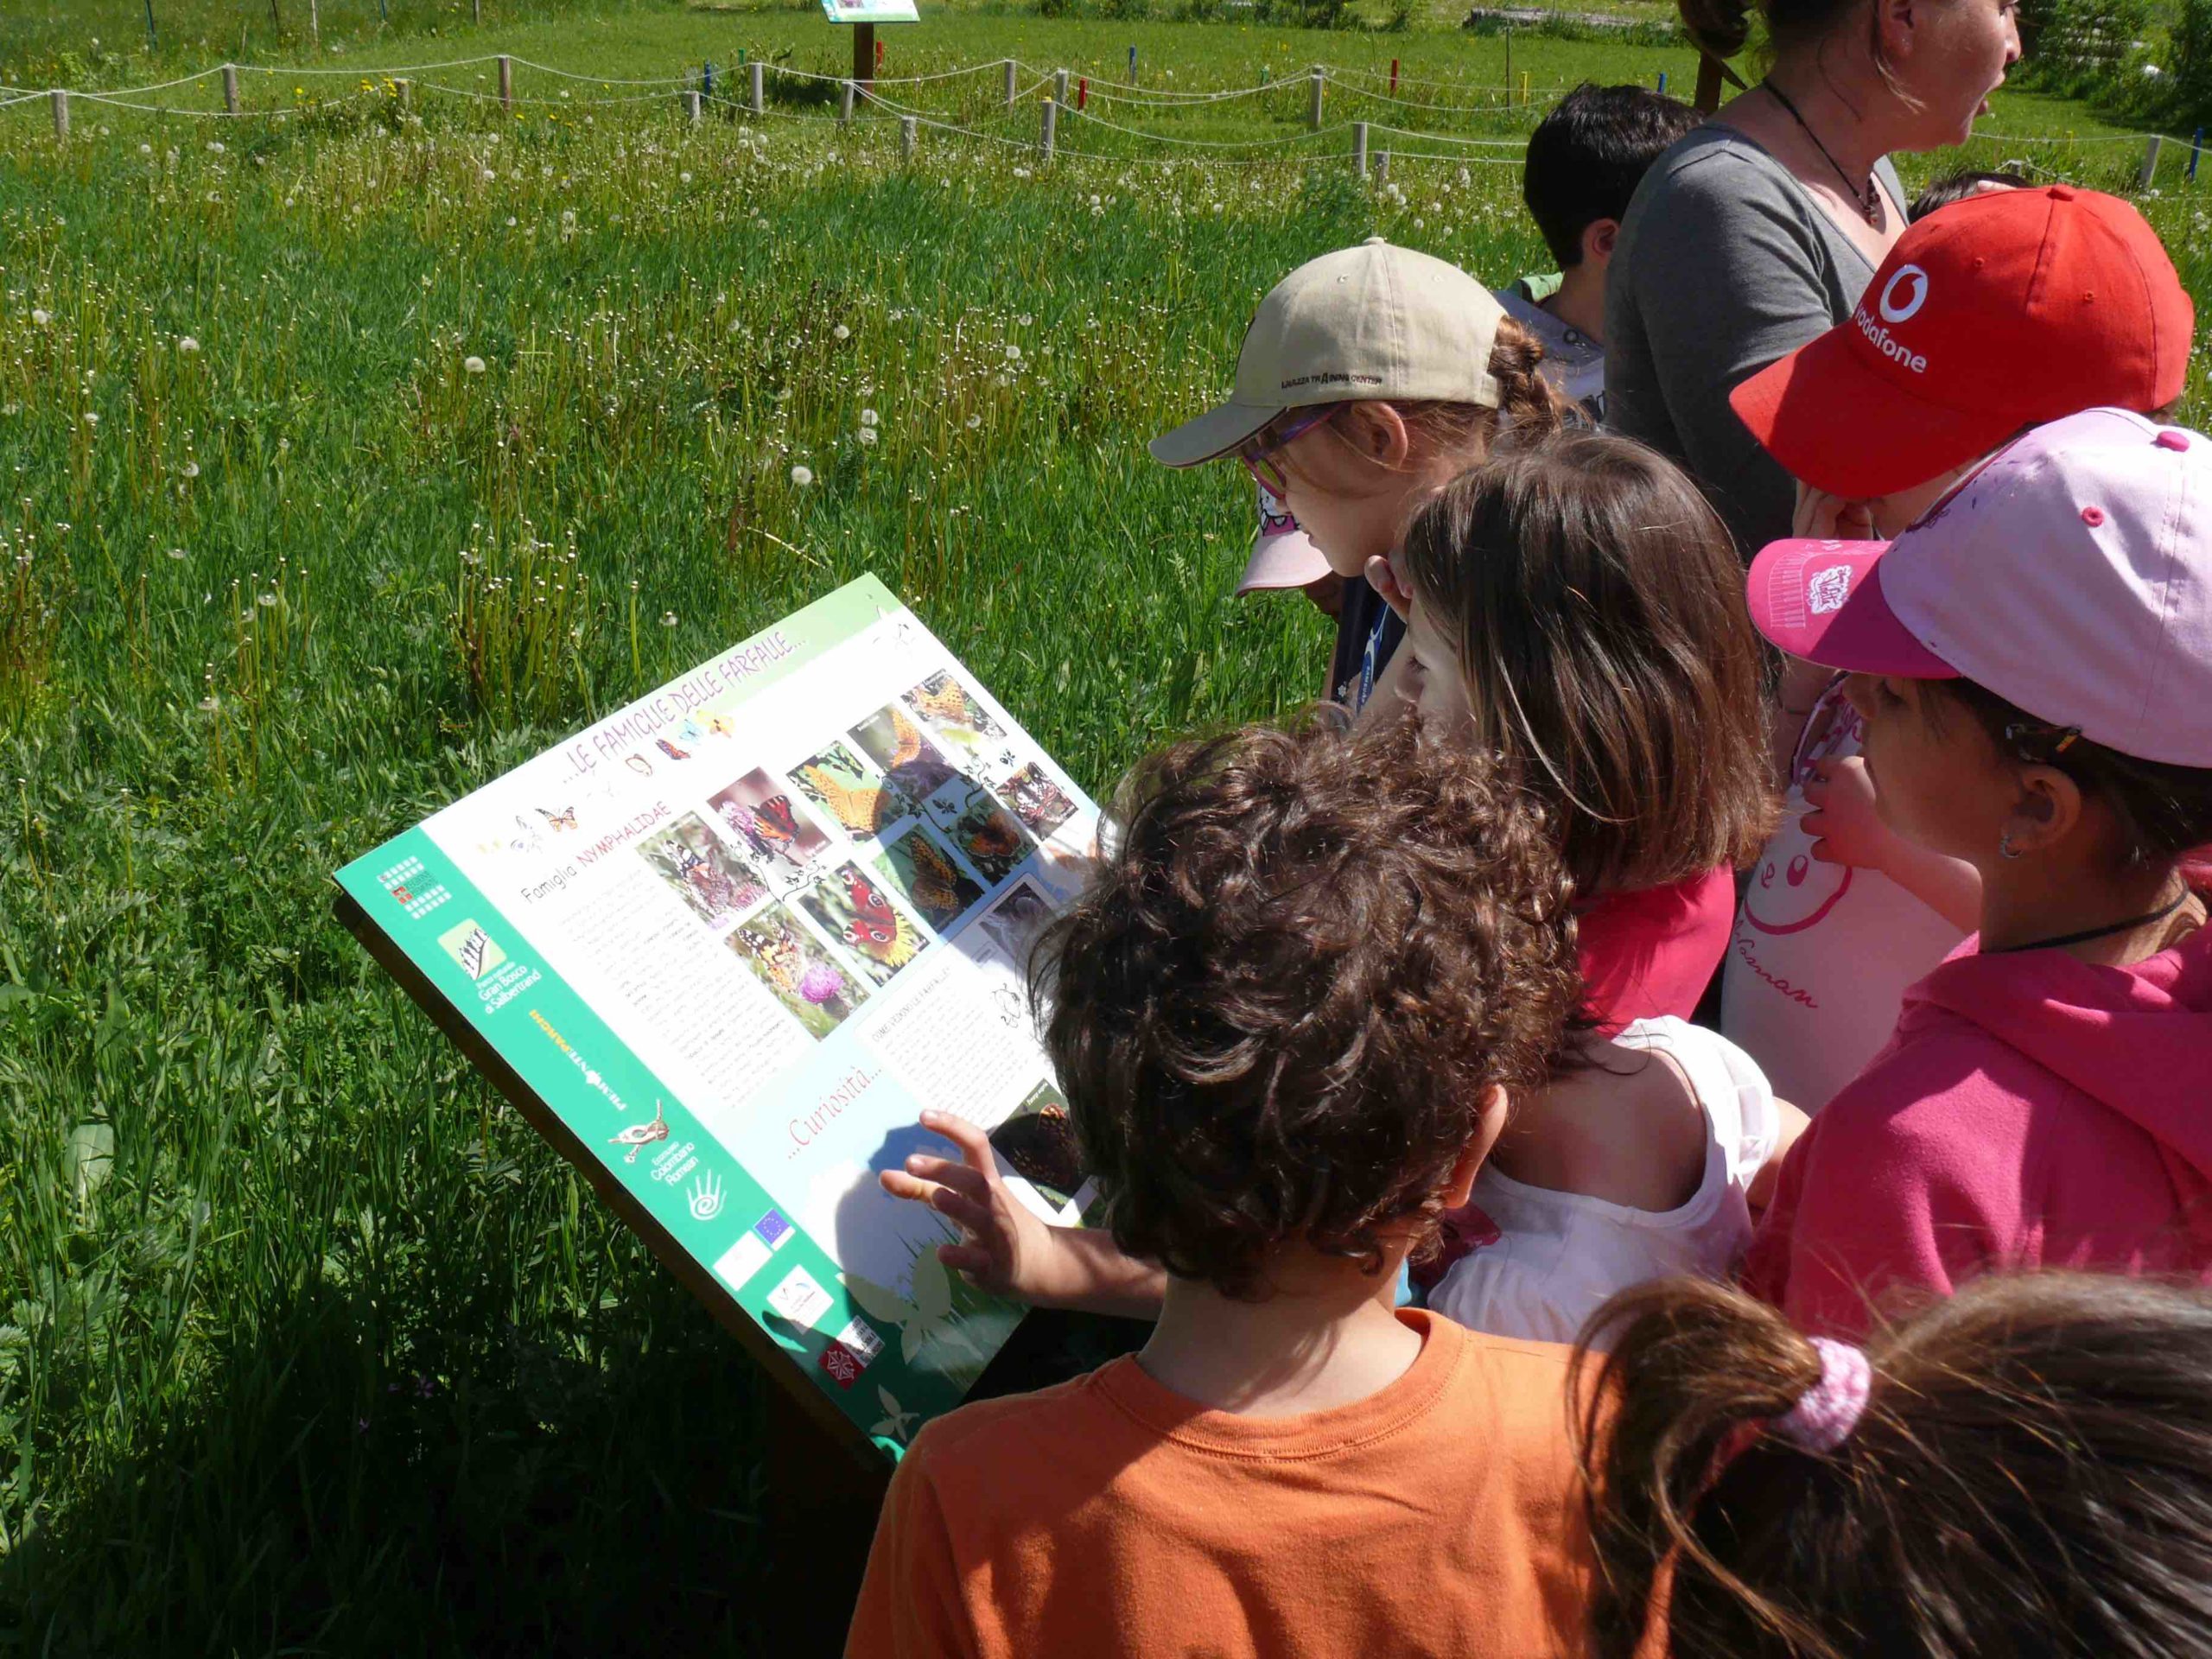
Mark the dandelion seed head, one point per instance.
(842, 332)
(187, 344)
(869, 417)
(801, 476)
(472, 364)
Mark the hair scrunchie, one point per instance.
(1826, 1413)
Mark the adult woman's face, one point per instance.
(1954, 55)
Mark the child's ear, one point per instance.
(1894, 28)
(1380, 433)
(1599, 237)
(2049, 810)
(1489, 1123)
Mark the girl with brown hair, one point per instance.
(1576, 613)
(1368, 378)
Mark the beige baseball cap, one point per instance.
(1371, 322)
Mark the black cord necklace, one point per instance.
(2088, 933)
(1869, 201)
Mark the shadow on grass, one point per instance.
(641, 1490)
(504, 1498)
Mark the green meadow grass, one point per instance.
(307, 1345)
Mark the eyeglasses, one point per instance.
(1259, 455)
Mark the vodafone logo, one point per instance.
(1903, 293)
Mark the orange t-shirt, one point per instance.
(1112, 1516)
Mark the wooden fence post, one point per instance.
(908, 128)
(230, 89)
(1011, 69)
(60, 116)
(1060, 85)
(691, 106)
(845, 96)
(2149, 173)
(506, 83)
(1051, 120)
(405, 89)
(1313, 106)
(759, 89)
(1359, 146)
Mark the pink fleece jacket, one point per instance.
(2030, 1110)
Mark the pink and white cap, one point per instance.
(2071, 575)
(1282, 555)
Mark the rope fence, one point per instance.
(1066, 98)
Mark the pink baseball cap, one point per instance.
(1283, 557)
(2071, 575)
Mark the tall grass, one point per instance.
(353, 458)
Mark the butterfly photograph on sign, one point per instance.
(783, 840)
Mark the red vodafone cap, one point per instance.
(1999, 312)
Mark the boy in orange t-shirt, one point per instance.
(1287, 1015)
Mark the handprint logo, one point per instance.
(706, 1198)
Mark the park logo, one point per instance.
(1912, 281)
(473, 949)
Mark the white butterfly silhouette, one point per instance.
(898, 1423)
(929, 1314)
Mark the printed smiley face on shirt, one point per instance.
(1790, 890)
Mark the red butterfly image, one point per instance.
(874, 921)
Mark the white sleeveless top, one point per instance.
(1558, 1256)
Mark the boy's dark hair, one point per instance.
(1597, 609)
(2032, 1474)
(2164, 811)
(1277, 1009)
(1957, 186)
(1586, 157)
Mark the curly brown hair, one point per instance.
(1597, 609)
(1278, 1009)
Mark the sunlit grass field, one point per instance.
(355, 454)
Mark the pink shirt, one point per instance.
(1652, 952)
(2031, 1109)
